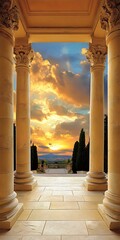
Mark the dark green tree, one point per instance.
(14, 145)
(74, 156)
(80, 160)
(86, 163)
(34, 157)
(105, 143)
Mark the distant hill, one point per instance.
(54, 157)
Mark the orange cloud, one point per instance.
(56, 98)
(73, 88)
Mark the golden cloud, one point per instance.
(73, 88)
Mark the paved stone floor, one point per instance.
(60, 208)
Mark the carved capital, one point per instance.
(110, 15)
(96, 54)
(9, 16)
(23, 55)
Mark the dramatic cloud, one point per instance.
(71, 87)
(59, 97)
(71, 129)
(59, 109)
(36, 112)
(59, 104)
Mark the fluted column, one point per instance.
(96, 179)
(110, 21)
(24, 179)
(9, 207)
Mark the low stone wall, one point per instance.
(57, 165)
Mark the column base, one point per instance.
(96, 181)
(111, 223)
(7, 224)
(96, 186)
(25, 186)
(24, 181)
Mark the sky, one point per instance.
(60, 93)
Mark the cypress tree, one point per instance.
(74, 156)
(105, 143)
(86, 164)
(14, 145)
(34, 157)
(80, 160)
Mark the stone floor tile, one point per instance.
(24, 215)
(73, 198)
(88, 205)
(84, 192)
(32, 197)
(43, 205)
(36, 205)
(10, 237)
(46, 193)
(51, 198)
(78, 193)
(69, 193)
(107, 237)
(26, 228)
(70, 188)
(64, 205)
(64, 215)
(38, 189)
(78, 238)
(91, 237)
(95, 198)
(30, 205)
(97, 228)
(41, 238)
(65, 228)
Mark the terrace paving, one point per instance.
(60, 208)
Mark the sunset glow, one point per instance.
(59, 96)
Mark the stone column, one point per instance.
(96, 179)
(9, 207)
(110, 21)
(24, 179)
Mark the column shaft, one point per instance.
(24, 179)
(96, 179)
(23, 120)
(110, 210)
(96, 119)
(7, 194)
(9, 207)
(114, 114)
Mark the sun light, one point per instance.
(54, 147)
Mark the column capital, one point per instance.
(8, 15)
(23, 55)
(110, 15)
(96, 54)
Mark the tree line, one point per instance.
(80, 155)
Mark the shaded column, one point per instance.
(9, 207)
(110, 21)
(24, 179)
(96, 179)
